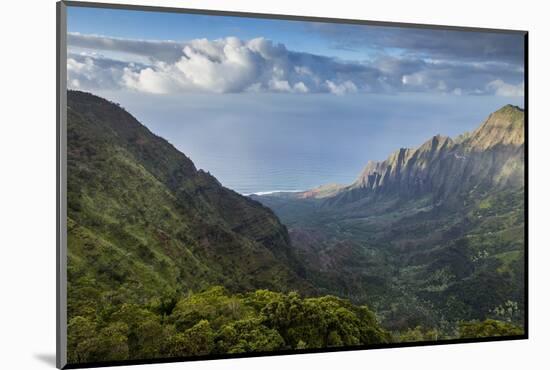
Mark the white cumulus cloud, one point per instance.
(342, 88)
(233, 65)
(502, 88)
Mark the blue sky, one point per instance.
(172, 53)
(286, 105)
(175, 26)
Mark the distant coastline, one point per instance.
(272, 192)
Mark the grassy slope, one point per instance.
(148, 238)
(143, 222)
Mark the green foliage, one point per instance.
(488, 328)
(197, 340)
(147, 231)
(509, 312)
(81, 340)
(419, 334)
(413, 262)
(248, 335)
(87, 344)
(321, 322)
(144, 228)
(215, 321)
(144, 224)
(145, 331)
(112, 343)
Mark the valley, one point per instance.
(428, 237)
(164, 261)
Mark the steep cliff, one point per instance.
(491, 157)
(144, 222)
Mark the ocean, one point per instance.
(258, 143)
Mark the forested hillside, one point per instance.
(216, 322)
(429, 237)
(163, 261)
(149, 236)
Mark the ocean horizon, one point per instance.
(272, 192)
(265, 143)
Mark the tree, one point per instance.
(213, 305)
(321, 322)
(198, 340)
(81, 340)
(248, 336)
(488, 328)
(418, 334)
(144, 330)
(112, 343)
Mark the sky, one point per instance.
(269, 104)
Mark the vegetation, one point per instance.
(437, 241)
(432, 269)
(488, 328)
(143, 222)
(216, 322)
(164, 261)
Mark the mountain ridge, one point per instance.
(160, 252)
(431, 234)
(441, 165)
(169, 226)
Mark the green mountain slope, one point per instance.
(164, 261)
(430, 235)
(144, 222)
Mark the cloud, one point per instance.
(88, 71)
(167, 51)
(232, 65)
(226, 65)
(222, 66)
(502, 88)
(422, 43)
(341, 89)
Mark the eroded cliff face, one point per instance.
(492, 156)
(436, 230)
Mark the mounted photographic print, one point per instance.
(235, 184)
